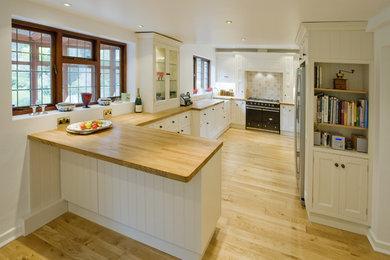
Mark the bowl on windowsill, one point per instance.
(65, 107)
(104, 101)
(195, 91)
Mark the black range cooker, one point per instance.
(263, 114)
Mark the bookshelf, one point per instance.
(348, 91)
(342, 126)
(346, 111)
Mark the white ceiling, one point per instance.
(264, 23)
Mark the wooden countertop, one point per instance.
(229, 97)
(286, 104)
(205, 103)
(141, 119)
(175, 156)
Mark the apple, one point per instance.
(82, 126)
(88, 125)
(94, 125)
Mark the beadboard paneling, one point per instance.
(79, 179)
(44, 175)
(341, 45)
(167, 209)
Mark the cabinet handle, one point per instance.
(204, 114)
(168, 74)
(212, 109)
(182, 130)
(207, 123)
(173, 122)
(186, 116)
(160, 126)
(342, 166)
(336, 164)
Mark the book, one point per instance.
(332, 110)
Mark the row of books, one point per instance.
(333, 110)
(318, 77)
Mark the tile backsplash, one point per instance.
(266, 85)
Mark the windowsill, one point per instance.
(77, 109)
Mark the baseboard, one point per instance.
(338, 223)
(135, 234)
(287, 133)
(9, 235)
(237, 126)
(378, 245)
(40, 218)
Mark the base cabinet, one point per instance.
(210, 122)
(238, 113)
(287, 117)
(340, 186)
(180, 124)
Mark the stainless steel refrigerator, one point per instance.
(300, 131)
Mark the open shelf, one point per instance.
(342, 91)
(342, 126)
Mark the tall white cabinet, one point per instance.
(158, 60)
(338, 184)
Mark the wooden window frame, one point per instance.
(58, 60)
(203, 60)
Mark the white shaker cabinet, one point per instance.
(238, 113)
(226, 67)
(340, 186)
(287, 118)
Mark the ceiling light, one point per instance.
(140, 26)
(228, 21)
(68, 4)
(243, 39)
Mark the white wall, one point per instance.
(380, 231)
(13, 133)
(187, 52)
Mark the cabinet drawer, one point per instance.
(185, 118)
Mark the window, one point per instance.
(110, 72)
(31, 67)
(50, 66)
(201, 73)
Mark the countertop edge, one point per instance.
(208, 106)
(286, 104)
(164, 174)
(185, 109)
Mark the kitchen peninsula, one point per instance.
(157, 187)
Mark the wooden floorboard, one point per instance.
(261, 216)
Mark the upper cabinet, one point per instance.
(226, 67)
(158, 74)
(233, 69)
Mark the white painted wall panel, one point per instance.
(164, 208)
(79, 179)
(44, 175)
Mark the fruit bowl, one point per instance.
(88, 127)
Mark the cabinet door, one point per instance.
(238, 112)
(325, 184)
(226, 67)
(354, 188)
(160, 77)
(173, 73)
(283, 118)
(242, 112)
(287, 118)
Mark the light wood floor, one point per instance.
(261, 217)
